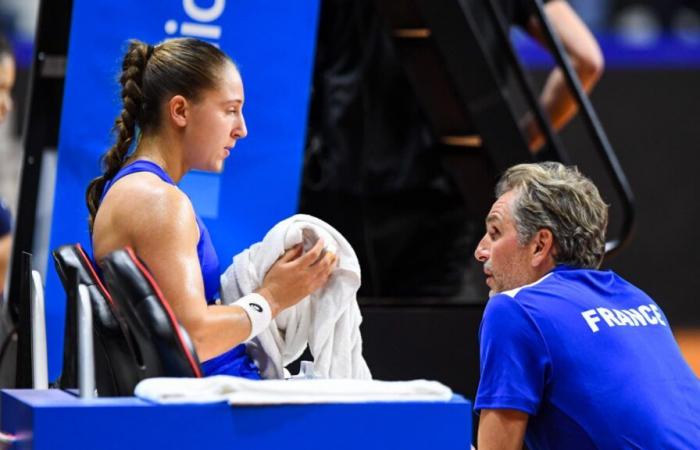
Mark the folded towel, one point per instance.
(241, 391)
(328, 320)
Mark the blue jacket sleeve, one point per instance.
(515, 363)
(5, 219)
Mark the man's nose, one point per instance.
(481, 253)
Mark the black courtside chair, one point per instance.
(162, 342)
(118, 365)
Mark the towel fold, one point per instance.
(328, 321)
(241, 391)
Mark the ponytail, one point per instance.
(131, 80)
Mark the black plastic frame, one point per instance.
(41, 126)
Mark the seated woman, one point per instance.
(182, 110)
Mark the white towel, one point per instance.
(328, 320)
(241, 391)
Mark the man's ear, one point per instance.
(542, 247)
(178, 110)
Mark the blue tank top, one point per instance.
(234, 361)
(208, 259)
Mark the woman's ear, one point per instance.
(542, 247)
(178, 110)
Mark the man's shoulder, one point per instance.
(505, 308)
(528, 288)
(604, 282)
(542, 297)
(567, 291)
(565, 279)
(514, 302)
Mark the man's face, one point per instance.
(507, 264)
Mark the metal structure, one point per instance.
(453, 52)
(41, 127)
(40, 369)
(86, 354)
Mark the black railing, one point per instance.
(596, 131)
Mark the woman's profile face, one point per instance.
(7, 80)
(215, 123)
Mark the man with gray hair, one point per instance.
(572, 357)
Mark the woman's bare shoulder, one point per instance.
(142, 209)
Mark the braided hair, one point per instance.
(151, 75)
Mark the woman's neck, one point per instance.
(162, 151)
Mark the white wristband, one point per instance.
(258, 310)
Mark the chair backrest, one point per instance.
(163, 343)
(118, 365)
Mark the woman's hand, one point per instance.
(294, 276)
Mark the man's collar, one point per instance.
(563, 267)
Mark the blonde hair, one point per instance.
(562, 200)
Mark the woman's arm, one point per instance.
(165, 236)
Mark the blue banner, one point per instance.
(272, 42)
